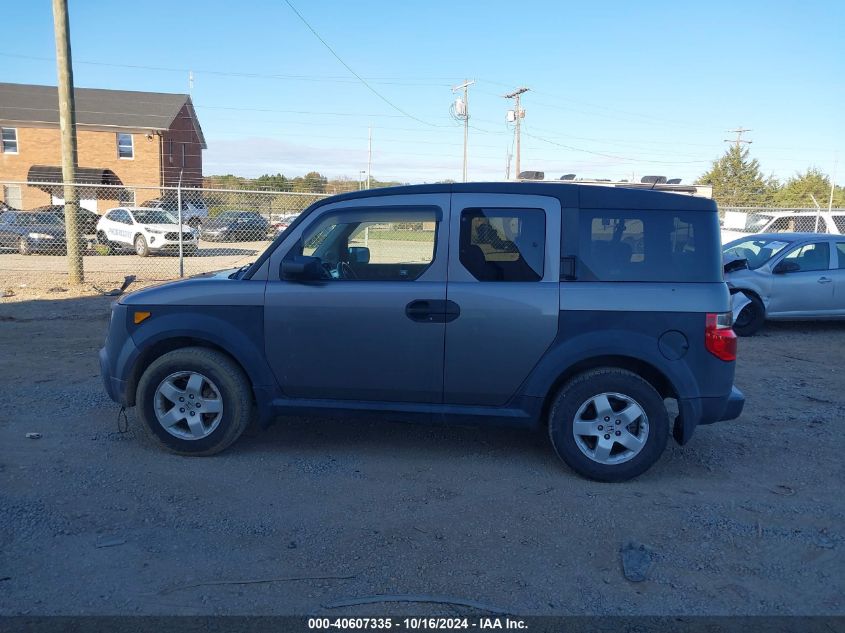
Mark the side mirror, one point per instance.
(302, 268)
(359, 255)
(786, 267)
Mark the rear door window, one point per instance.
(503, 244)
(840, 251)
(644, 245)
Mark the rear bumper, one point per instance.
(695, 411)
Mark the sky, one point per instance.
(617, 90)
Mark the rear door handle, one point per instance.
(825, 280)
(432, 311)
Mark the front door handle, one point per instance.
(825, 280)
(432, 311)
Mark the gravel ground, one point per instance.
(748, 518)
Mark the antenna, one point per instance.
(191, 83)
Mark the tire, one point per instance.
(23, 247)
(141, 248)
(102, 239)
(224, 384)
(576, 401)
(751, 318)
(191, 251)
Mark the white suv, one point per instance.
(144, 230)
(741, 224)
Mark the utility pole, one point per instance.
(67, 126)
(738, 140)
(518, 115)
(462, 114)
(369, 155)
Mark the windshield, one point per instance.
(154, 216)
(756, 251)
(756, 222)
(31, 219)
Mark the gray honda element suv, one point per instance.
(577, 308)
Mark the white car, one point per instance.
(145, 230)
(739, 224)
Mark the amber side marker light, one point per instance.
(138, 317)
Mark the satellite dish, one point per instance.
(568, 177)
(654, 180)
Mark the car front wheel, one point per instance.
(751, 318)
(194, 401)
(141, 248)
(609, 424)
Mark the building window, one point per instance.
(12, 196)
(124, 146)
(170, 150)
(10, 140)
(184, 154)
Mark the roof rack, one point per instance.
(671, 186)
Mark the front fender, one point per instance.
(237, 330)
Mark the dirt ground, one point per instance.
(748, 518)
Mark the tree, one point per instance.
(737, 181)
(799, 191)
(273, 183)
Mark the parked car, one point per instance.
(86, 220)
(235, 226)
(738, 224)
(194, 207)
(279, 223)
(515, 304)
(785, 276)
(144, 230)
(33, 232)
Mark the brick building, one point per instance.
(123, 138)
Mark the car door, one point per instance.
(806, 290)
(374, 330)
(504, 279)
(7, 220)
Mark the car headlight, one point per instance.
(41, 236)
(154, 231)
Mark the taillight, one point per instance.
(719, 337)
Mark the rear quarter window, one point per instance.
(650, 246)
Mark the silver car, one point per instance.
(785, 276)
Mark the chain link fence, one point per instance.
(135, 231)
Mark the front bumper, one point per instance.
(695, 411)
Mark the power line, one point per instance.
(393, 81)
(349, 68)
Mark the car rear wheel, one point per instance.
(23, 247)
(141, 248)
(609, 424)
(751, 318)
(194, 401)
